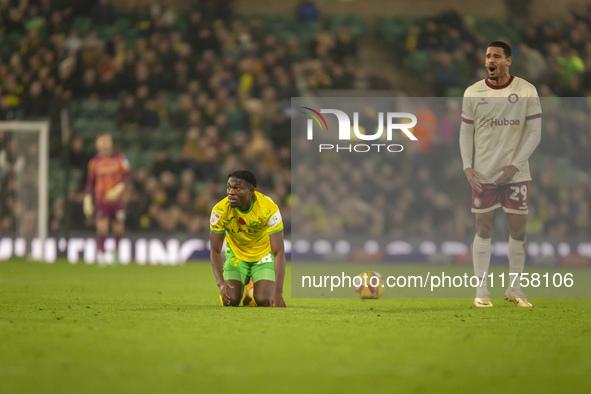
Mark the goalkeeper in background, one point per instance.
(108, 175)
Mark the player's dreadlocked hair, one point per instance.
(245, 175)
(501, 44)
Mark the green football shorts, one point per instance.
(236, 269)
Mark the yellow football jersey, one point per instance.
(247, 233)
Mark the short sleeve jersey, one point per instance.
(247, 233)
(499, 115)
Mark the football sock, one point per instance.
(101, 243)
(516, 255)
(481, 259)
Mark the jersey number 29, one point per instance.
(517, 190)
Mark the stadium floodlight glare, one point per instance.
(31, 172)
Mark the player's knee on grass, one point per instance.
(263, 292)
(234, 301)
(264, 301)
(235, 292)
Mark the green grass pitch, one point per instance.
(131, 329)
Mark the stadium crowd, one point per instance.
(422, 192)
(221, 85)
(554, 55)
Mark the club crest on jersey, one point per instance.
(253, 223)
(241, 221)
(234, 261)
(513, 97)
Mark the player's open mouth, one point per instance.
(492, 69)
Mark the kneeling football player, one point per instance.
(253, 229)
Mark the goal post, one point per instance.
(27, 145)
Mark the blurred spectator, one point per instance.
(408, 42)
(431, 37)
(518, 12)
(425, 129)
(553, 144)
(78, 156)
(530, 64)
(87, 85)
(35, 105)
(307, 12)
(581, 158)
(149, 116)
(180, 118)
(163, 163)
(103, 13)
(446, 73)
(345, 45)
(128, 114)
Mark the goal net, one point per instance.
(24, 161)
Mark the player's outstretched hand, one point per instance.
(224, 293)
(278, 301)
(87, 206)
(507, 173)
(472, 176)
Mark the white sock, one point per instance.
(516, 255)
(481, 259)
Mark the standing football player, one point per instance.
(253, 231)
(501, 127)
(108, 176)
